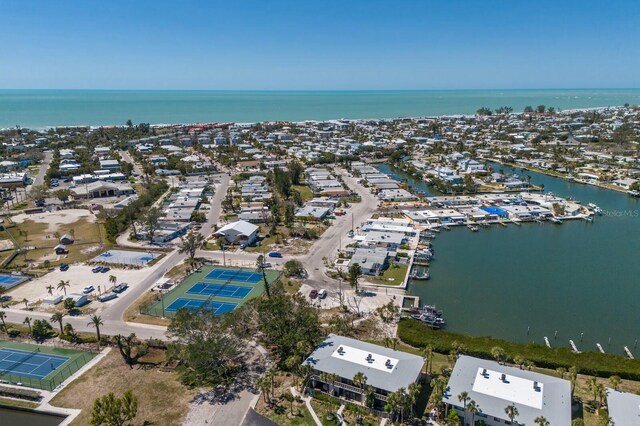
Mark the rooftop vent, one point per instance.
(341, 350)
(484, 373)
(369, 358)
(388, 364)
(503, 377)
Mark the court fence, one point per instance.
(61, 374)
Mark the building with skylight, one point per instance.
(386, 370)
(493, 387)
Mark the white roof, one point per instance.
(241, 226)
(624, 408)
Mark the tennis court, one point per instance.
(10, 281)
(30, 364)
(217, 307)
(224, 288)
(234, 275)
(229, 290)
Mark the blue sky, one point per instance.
(328, 44)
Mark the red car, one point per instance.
(313, 294)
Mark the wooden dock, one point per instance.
(600, 347)
(546, 341)
(573, 347)
(629, 354)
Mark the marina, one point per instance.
(549, 277)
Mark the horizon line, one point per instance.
(317, 90)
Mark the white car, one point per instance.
(88, 289)
(322, 293)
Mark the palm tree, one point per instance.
(573, 377)
(360, 380)
(26, 303)
(57, 317)
(112, 280)
(541, 421)
(498, 354)
(427, 354)
(2, 317)
(413, 392)
(63, 285)
(27, 321)
(512, 412)
(464, 398)
(592, 384)
(615, 381)
(96, 322)
(261, 268)
(473, 408)
(50, 289)
(222, 244)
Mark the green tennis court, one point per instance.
(39, 366)
(217, 288)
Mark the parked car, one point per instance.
(313, 293)
(88, 289)
(322, 293)
(275, 254)
(97, 269)
(268, 265)
(107, 296)
(64, 267)
(105, 269)
(120, 287)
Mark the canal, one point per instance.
(579, 279)
(17, 417)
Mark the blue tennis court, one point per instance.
(234, 275)
(9, 281)
(29, 364)
(222, 290)
(218, 308)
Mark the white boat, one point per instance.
(595, 208)
(473, 228)
(634, 193)
(556, 220)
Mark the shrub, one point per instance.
(419, 335)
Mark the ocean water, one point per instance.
(44, 108)
(522, 283)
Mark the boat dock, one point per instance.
(573, 347)
(629, 354)
(600, 347)
(410, 302)
(546, 341)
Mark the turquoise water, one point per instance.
(575, 278)
(43, 108)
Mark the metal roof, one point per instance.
(533, 394)
(385, 368)
(624, 408)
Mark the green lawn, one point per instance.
(393, 275)
(305, 192)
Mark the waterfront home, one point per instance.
(386, 370)
(240, 232)
(388, 240)
(494, 386)
(436, 216)
(396, 195)
(624, 183)
(386, 224)
(624, 408)
(372, 261)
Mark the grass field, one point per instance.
(180, 291)
(305, 192)
(37, 234)
(162, 399)
(393, 275)
(76, 359)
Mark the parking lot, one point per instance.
(79, 276)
